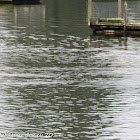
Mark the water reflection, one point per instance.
(55, 78)
(122, 39)
(122, 65)
(106, 40)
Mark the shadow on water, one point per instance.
(122, 39)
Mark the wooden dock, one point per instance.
(117, 25)
(19, 1)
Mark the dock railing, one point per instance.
(95, 19)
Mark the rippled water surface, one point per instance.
(55, 76)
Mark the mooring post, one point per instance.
(125, 15)
(119, 8)
(89, 11)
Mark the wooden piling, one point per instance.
(119, 8)
(125, 15)
(89, 11)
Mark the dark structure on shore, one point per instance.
(19, 1)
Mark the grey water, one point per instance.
(57, 77)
